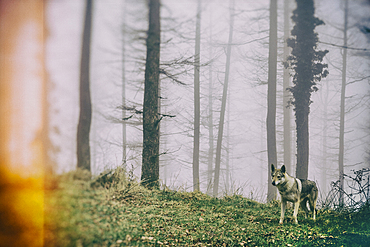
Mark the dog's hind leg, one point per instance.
(312, 207)
(304, 207)
(296, 207)
(313, 201)
(283, 206)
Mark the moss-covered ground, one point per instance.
(78, 215)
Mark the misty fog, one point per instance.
(118, 58)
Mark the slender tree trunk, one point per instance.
(150, 166)
(324, 139)
(210, 117)
(227, 180)
(286, 94)
(196, 102)
(271, 98)
(223, 104)
(342, 105)
(124, 127)
(164, 143)
(84, 123)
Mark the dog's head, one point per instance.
(277, 175)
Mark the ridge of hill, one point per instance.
(78, 215)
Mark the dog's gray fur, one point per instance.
(298, 191)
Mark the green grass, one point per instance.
(134, 216)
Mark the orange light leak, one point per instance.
(21, 111)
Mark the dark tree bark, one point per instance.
(223, 104)
(150, 166)
(308, 67)
(84, 123)
(196, 102)
(271, 98)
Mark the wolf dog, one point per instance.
(297, 191)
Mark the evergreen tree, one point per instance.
(306, 61)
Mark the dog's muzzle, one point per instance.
(273, 183)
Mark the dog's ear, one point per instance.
(283, 169)
(272, 168)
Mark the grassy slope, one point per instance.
(79, 216)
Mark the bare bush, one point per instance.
(356, 193)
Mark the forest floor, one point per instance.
(78, 215)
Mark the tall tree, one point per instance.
(325, 102)
(210, 115)
(223, 103)
(308, 68)
(286, 93)
(342, 104)
(84, 123)
(196, 101)
(150, 162)
(227, 160)
(271, 98)
(124, 129)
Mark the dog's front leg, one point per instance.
(283, 206)
(296, 206)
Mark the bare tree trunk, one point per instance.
(84, 123)
(196, 102)
(324, 140)
(223, 103)
(124, 134)
(271, 98)
(210, 117)
(342, 105)
(163, 146)
(150, 166)
(287, 94)
(227, 180)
